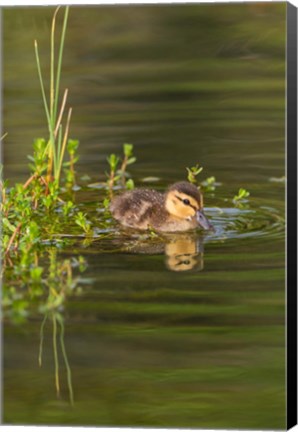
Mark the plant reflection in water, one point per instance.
(58, 332)
(47, 297)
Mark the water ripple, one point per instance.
(237, 223)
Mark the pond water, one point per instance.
(186, 330)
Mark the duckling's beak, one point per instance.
(202, 220)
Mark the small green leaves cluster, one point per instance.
(69, 166)
(193, 172)
(83, 222)
(36, 203)
(118, 175)
(210, 183)
(242, 196)
(38, 163)
(33, 215)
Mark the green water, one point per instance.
(148, 345)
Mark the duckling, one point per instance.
(180, 208)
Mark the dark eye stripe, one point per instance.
(186, 202)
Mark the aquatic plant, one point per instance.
(69, 166)
(36, 215)
(128, 159)
(193, 172)
(83, 222)
(37, 202)
(242, 196)
(113, 162)
(208, 185)
(119, 176)
(58, 138)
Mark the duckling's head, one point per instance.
(184, 201)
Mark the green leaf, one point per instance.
(210, 180)
(106, 203)
(8, 225)
(113, 161)
(35, 273)
(72, 146)
(131, 160)
(127, 150)
(242, 194)
(130, 184)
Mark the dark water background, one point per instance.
(149, 346)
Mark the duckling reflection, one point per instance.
(183, 251)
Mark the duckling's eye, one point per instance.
(186, 201)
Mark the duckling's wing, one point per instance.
(135, 208)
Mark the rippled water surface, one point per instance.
(181, 330)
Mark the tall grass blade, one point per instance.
(59, 141)
(52, 74)
(65, 137)
(61, 113)
(41, 85)
(59, 65)
(3, 136)
(54, 151)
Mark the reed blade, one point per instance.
(60, 56)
